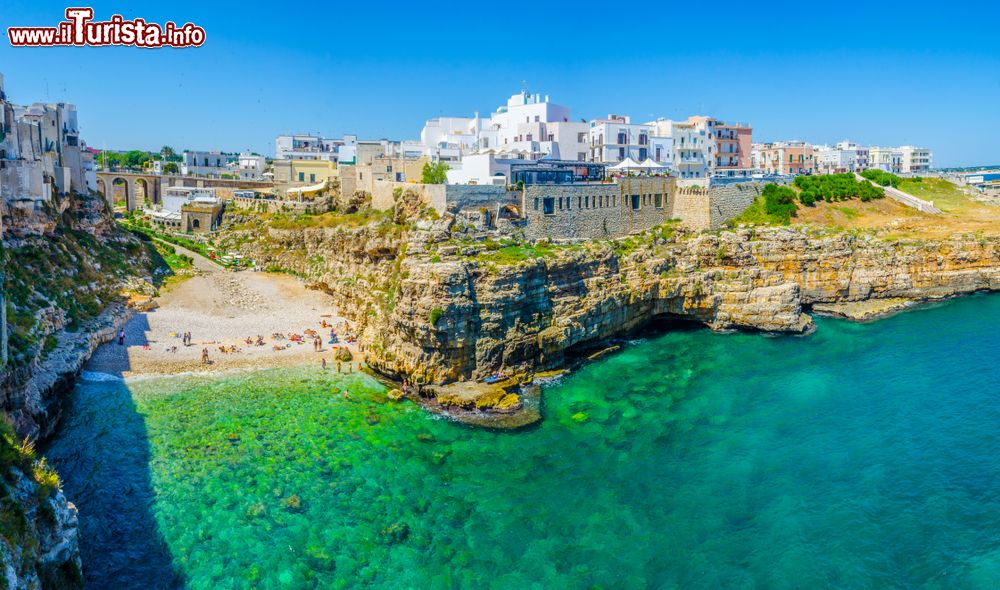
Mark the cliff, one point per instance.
(440, 302)
(64, 266)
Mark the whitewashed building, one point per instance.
(690, 148)
(212, 164)
(915, 159)
(303, 146)
(616, 138)
(40, 152)
(887, 159)
(249, 166)
(528, 126)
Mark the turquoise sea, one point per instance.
(861, 456)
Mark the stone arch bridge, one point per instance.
(135, 188)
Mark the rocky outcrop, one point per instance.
(33, 394)
(436, 304)
(63, 263)
(39, 545)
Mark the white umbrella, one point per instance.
(649, 164)
(626, 164)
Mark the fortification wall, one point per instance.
(596, 211)
(728, 201)
(443, 197)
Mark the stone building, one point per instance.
(200, 216)
(597, 210)
(40, 152)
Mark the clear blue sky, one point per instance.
(928, 74)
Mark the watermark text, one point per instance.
(79, 29)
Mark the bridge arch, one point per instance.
(122, 185)
(143, 194)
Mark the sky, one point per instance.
(918, 73)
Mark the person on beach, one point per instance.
(323, 362)
(338, 366)
(121, 338)
(204, 356)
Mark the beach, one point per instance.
(222, 308)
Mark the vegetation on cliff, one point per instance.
(34, 517)
(71, 276)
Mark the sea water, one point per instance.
(861, 456)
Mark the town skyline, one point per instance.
(887, 89)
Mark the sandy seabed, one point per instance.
(221, 309)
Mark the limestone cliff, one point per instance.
(440, 302)
(63, 267)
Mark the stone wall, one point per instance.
(596, 211)
(728, 201)
(444, 197)
(700, 208)
(279, 205)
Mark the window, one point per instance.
(536, 118)
(586, 201)
(579, 202)
(302, 176)
(549, 205)
(581, 137)
(312, 178)
(528, 137)
(658, 200)
(195, 223)
(560, 203)
(536, 203)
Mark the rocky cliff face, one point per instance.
(39, 539)
(64, 265)
(436, 304)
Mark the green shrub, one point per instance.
(835, 187)
(882, 178)
(779, 202)
(436, 314)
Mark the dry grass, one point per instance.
(891, 219)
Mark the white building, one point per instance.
(886, 159)
(528, 126)
(40, 152)
(249, 166)
(303, 146)
(690, 148)
(915, 159)
(615, 138)
(485, 168)
(213, 164)
(846, 156)
(446, 139)
(175, 197)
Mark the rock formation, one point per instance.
(434, 304)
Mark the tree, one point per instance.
(167, 151)
(435, 173)
(108, 159)
(170, 168)
(135, 158)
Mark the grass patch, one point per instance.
(506, 252)
(359, 218)
(945, 195)
(848, 212)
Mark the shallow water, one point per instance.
(864, 455)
